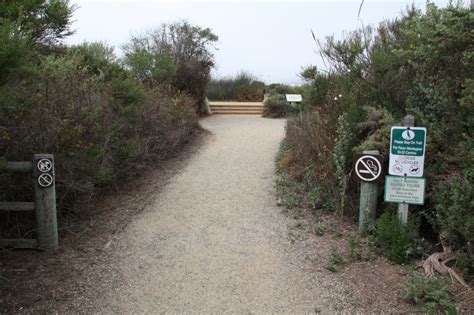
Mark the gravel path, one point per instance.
(214, 240)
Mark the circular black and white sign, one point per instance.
(368, 168)
(45, 180)
(44, 165)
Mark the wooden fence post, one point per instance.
(368, 202)
(45, 201)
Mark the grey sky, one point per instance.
(269, 39)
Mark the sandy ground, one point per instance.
(214, 241)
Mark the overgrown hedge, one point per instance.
(276, 106)
(100, 119)
(420, 64)
(244, 87)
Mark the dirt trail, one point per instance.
(213, 240)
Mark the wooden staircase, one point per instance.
(236, 108)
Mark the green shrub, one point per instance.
(98, 123)
(276, 106)
(334, 261)
(278, 88)
(454, 203)
(398, 241)
(354, 248)
(178, 53)
(244, 87)
(340, 157)
(430, 293)
(319, 229)
(376, 75)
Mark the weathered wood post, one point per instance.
(45, 201)
(368, 201)
(408, 121)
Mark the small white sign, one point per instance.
(45, 180)
(407, 151)
(409, 190)
(44, 165)
(295, 98)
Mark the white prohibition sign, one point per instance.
(45, 180)
(44, 165)
(366, 168)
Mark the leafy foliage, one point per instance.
(177, 54)
(454, 204)
(43, 21)
(244, 87)
(98, 115)
(419, 64)
(276, 106)
(400, 242)
(334, 261)
(431, 293)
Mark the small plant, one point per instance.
(341, 150)
(370, 247)
(334, 261)
(430, 293)
(291, 200)
(399, 242)
(319, 229)
(315, 198)
(354, 248)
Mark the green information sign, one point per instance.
(407, 151)
(409, 190)
(409, 142)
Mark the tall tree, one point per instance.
(178, 50)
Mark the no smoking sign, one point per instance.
(368, 168)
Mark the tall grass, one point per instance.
(242, 87)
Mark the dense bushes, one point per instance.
(276, 106)
(400, 242)
(420, 64)
(100, 125)
(432, 294)
(244, 87)
(177, 54)
(103, 121)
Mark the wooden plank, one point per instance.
(17, 167)
(18, 243)
(235, 103)
(17, 206)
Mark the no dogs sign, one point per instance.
(368, 168)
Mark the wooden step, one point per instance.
(236, 103)
(236, 108)
(237, 113)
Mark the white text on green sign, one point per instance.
(409, 142)
(407, 151)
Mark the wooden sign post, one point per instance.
(45, 201)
